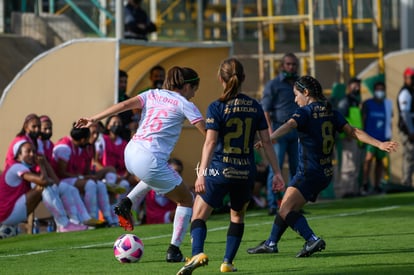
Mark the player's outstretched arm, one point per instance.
(284, 129)
(388, 146)
(132, 103)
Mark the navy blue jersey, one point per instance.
(316, 129)
(236, 121)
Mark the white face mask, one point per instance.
(379, 94)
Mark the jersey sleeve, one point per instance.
(213, 117)
(192, 113)
(340, 121)
(142, 97)
(62, 152)
(15, 174)
(301, 116)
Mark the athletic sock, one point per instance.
(198, 236)
(278, 228)
(182, 219)
(137, 194)
(234, 237)
(298, 223)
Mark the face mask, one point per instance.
(379, 94)
(290, 75)
(158, 84)
(356, 94)
(83, 145)
(116, 129)
(34, 135)
(45, 136)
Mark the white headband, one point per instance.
(17, 146)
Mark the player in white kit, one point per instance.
(147, 153)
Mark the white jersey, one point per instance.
(162, 119)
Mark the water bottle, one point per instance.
(50, 226)
(36, 226)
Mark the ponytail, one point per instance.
(232, 73)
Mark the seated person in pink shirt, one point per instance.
(30, 132)
(19, 198)
(72, 159)
(109, 151)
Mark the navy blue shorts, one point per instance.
(240, 192)
(310, 185)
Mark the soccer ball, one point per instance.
(7, 231)
(128, 248)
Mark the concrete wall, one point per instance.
(79, 78)
(72, 79)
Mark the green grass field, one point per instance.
(371, 235)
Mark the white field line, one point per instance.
(382, 209)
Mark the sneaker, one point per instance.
(311, 247)
(123, 210)
(115, 188)
(94, 223)
(71, 227)
(262, 248)
(174, 254)
(198, 260)
(226, 267)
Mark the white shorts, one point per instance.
(154, 172)
(19, 213)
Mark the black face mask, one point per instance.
(45, 136)
(356, 95)
(356, 92)
(83, 145)
(116, 129)
(34, 135)
(158, 84)
(290, 75)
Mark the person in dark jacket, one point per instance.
(137, 23)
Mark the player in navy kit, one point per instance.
(227, 164)
(317, 124)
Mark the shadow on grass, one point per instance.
(371, 236)
(354, 253)
(364, 269)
